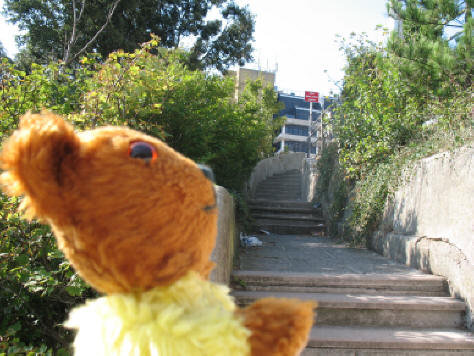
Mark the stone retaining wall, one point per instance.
(429, 222)
(227, 238)
(309, 177)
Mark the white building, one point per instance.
(294, 136)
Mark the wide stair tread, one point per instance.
(289, 209)
(370, 338)
(289, 223)
(374, 310)
(349, 301)
(286, 228)
(287, 216)
(358, 314)
(282, 190)
(377, 284)
(280, 204)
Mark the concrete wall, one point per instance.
(274, 165)
(227, 238)
(309, 177)
(429, 222)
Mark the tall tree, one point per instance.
(433, 42)
(64, 29)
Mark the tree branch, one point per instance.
(109, 17)
(82, 10)
(73, 34)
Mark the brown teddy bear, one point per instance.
(137, 220)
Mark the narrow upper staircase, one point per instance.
(284, 186)
(278, 207)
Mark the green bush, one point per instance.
(332, 187)
(37, 286)
(400, 102)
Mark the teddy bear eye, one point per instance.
(142, 150)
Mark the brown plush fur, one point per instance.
(127, 224)
(279, 326)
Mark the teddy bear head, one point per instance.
(129, 212)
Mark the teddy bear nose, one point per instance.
(207, 172)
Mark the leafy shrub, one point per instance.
(332, 187)
(384, 123)
(37, 286)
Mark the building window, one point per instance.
(302, 114)
(293, 146)
(296, 130)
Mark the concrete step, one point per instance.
(282, 188)
(369, 341)
(280, 181)
(293, 173)
(277, 197)
(291, 181)
(271, 193)
(291, 210)
(289, 228)
(368, 310)
(271, 188)
(289, 222)
(274, 197)
(376, 284)
(294, 179)
(278, 190)
(288, 217)
(280, 204)
(283, 177)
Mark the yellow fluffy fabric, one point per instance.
(191, 317)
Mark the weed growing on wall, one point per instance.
(332, 187)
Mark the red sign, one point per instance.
(311, 96)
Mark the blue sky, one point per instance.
(297, 38)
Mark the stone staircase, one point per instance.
(284, 186)
(369, 314)
(366, 307)
(278, 208)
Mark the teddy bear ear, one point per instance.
(33, 160)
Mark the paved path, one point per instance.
(316, 255)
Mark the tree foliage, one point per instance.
(433, 43)
(37, 286)
(377, 113)
(391, 90)
(60, 29)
